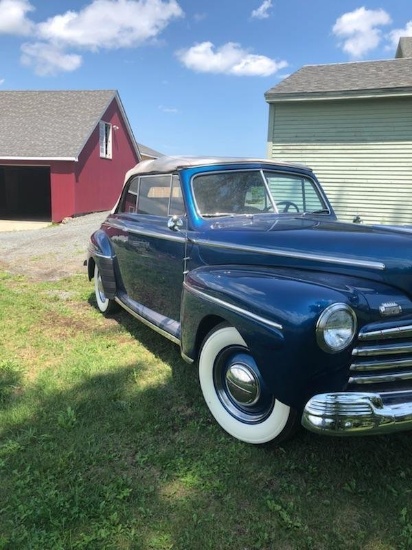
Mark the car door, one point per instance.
(150, 255)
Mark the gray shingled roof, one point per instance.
(404, 47)
(392, 76)
(49, 124)
(148, 152)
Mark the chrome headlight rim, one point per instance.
(323, 326)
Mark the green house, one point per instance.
(351, 123)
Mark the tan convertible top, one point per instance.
(166, 165)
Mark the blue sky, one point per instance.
(191, 74)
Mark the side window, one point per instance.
(312, 201)
(176, 207)
(298, 190)
(129, 200)
(154, 195)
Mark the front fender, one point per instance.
(276, 313)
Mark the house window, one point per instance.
(105, 139)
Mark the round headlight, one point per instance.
(336, 328)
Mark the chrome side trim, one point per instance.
(149, 233)
(387, 333)
(104, 256)
(120, 226)
(187, 358)
(358, 413)
(148, 323)
(232, 307)
(297, 255)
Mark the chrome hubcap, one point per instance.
(239, 386)
(243, 385)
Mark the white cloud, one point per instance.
(111, 23)
(2, 81)
(360, 30)
(230, 58)
(47, 59)
(396, 34)
(13, 18)
(101, 24)
(262, 12)
(164, 109)
(199, 17)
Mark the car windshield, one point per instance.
(254, 192)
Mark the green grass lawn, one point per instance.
(105, 443)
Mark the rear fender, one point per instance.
(100, 253)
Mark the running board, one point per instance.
(165, 326)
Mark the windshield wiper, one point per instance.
(218, 214)
(231, 214)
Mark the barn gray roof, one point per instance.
(365, 78)
(50, 124)
(148, 152)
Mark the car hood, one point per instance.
(380, 253)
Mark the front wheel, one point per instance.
(236, 393)
(105, 305)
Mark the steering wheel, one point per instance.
(287, 205)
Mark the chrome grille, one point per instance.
(382, 358)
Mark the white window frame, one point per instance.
(105, 139)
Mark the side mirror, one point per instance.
(175, 223)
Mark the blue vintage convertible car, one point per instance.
(291, 316)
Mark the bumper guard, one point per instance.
(358, 413)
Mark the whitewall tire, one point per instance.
(235, 392)
(105, 305)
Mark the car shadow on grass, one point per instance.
(185, 375)
(112, 463)
(129, 457)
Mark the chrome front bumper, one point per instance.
(358, 413)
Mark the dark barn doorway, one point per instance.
(25, 192)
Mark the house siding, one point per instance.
(361, 151)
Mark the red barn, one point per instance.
(62, 153)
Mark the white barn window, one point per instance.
(105, 139)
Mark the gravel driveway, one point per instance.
(49, 253)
